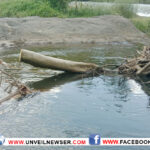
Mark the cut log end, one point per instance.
(20, 55)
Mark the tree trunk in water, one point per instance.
(39, 60)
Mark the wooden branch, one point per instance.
(143, 71)
(16, 82)
(139, 65)
(22, 89)
(39, 60)
(9, 96)
(148, 82)
(4, 63)
(4, 72)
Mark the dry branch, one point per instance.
(22, 89)
(139, 65)
(9, 97)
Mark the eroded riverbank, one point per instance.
(16, 32)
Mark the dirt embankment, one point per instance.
(36, 30)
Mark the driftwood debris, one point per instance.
(139, 65)
(39, 60)
(20, 88)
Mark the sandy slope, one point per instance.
(36, 30)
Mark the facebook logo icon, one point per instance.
(94, 139)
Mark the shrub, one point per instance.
(59, 4)
(126, 10)
(22, 8)
(142, 24)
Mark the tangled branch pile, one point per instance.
(139, 65)
(11, 85)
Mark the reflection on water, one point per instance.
(70, 105)
(134, 87)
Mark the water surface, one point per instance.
(68, 105)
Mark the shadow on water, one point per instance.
(119, 81)
(66, 77)
(121, 84)
(57, 80)
(54, 81)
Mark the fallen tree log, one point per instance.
(39, 60)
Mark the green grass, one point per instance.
(23, 8)
(142, 24)
(124, 1)
(125, 10)
(88, 12)
(58, 8)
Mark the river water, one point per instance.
(68, 105)
(141, 9)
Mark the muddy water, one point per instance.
(70, 106)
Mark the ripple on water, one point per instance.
(69, 106)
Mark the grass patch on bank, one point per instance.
(23, 8)
(88, 12)
(59, 8)
(123, 1)
(142, 23)
(125, 10)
